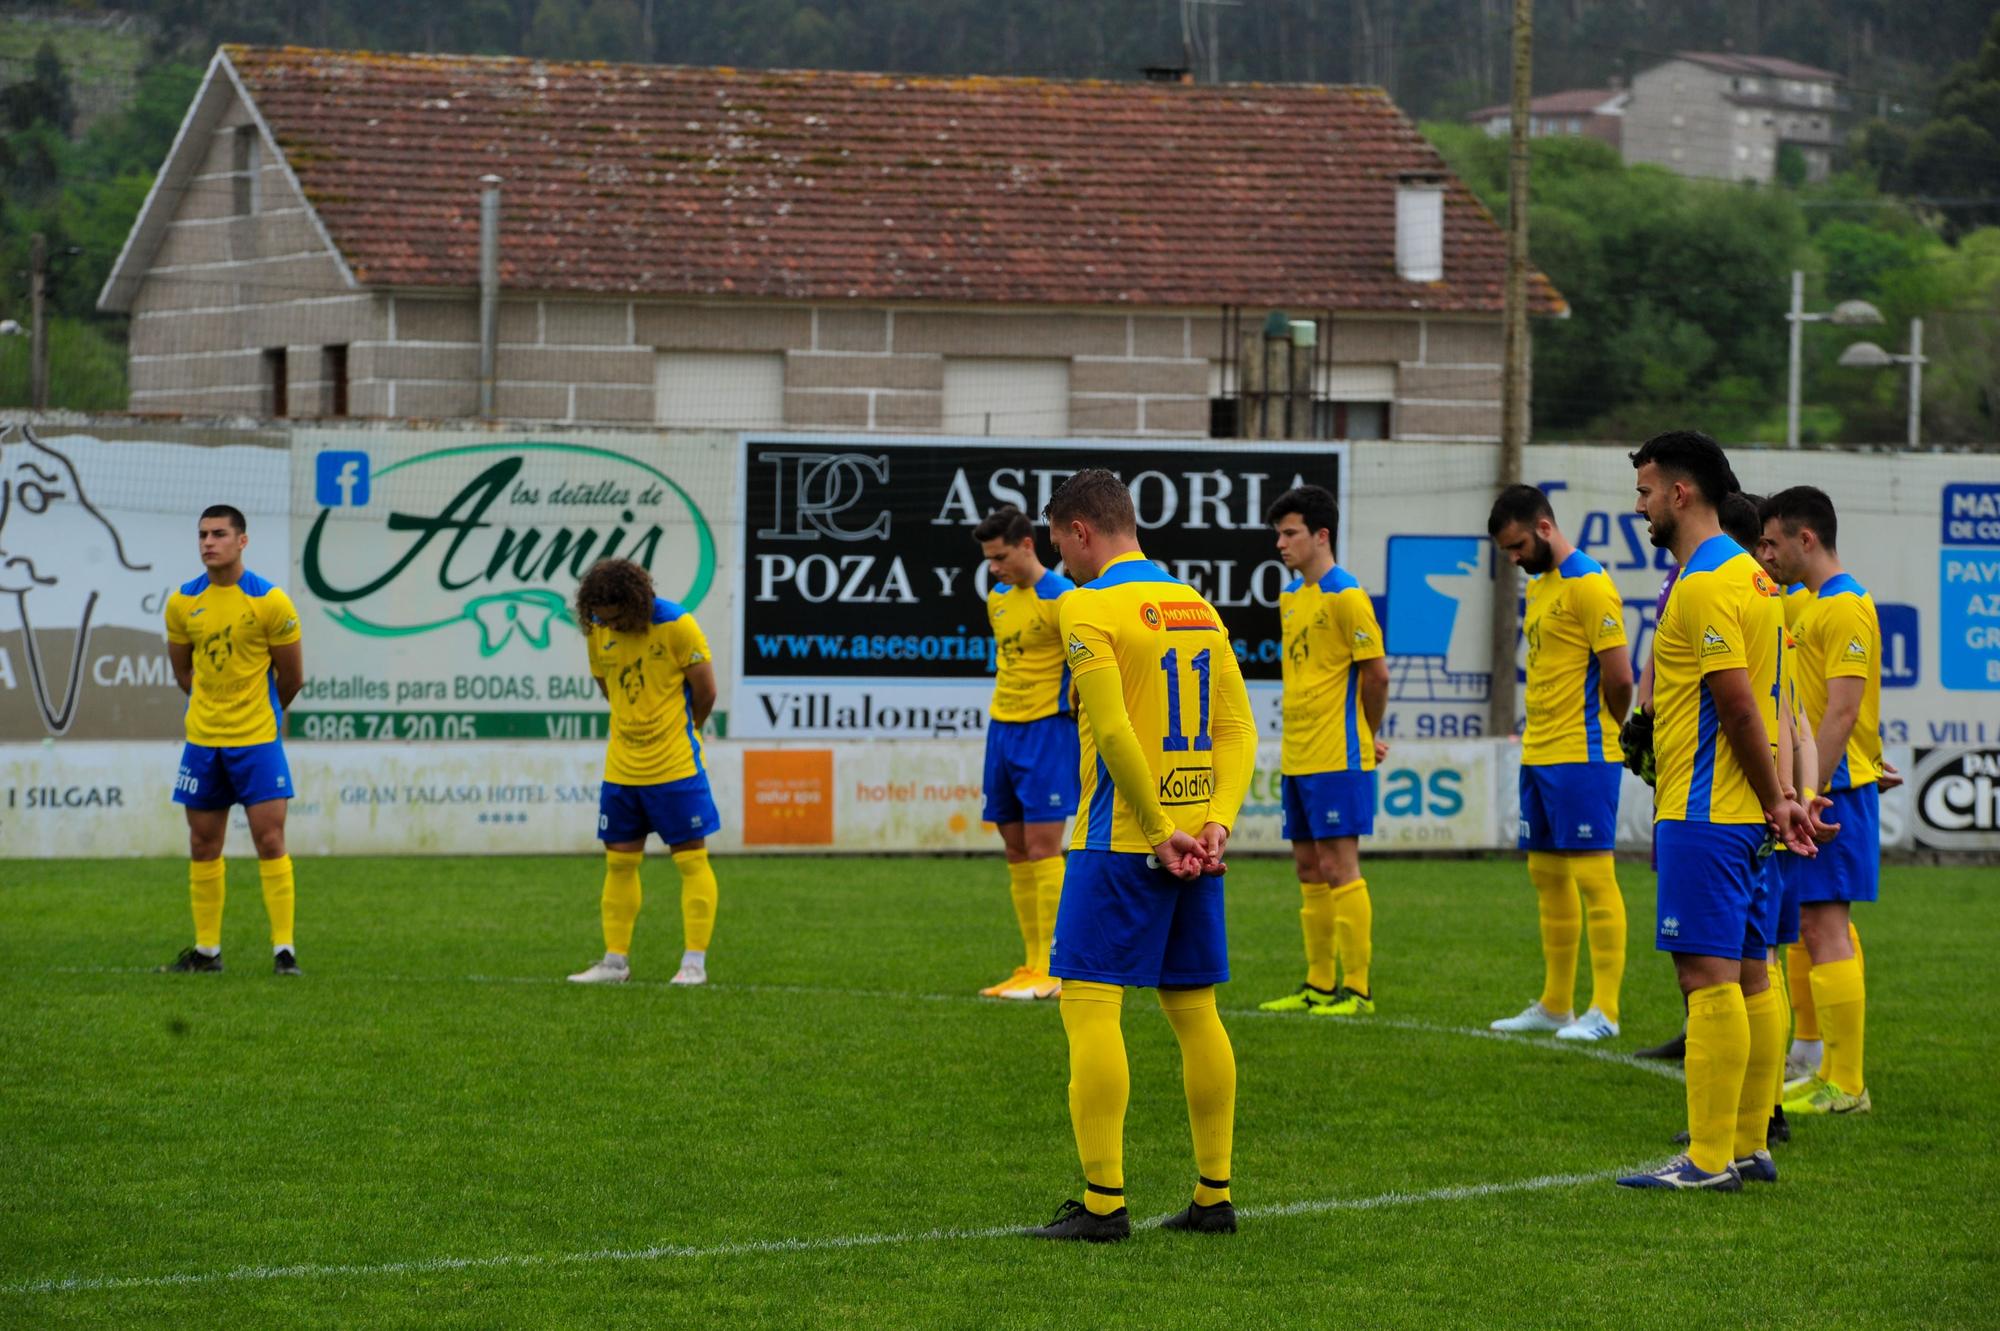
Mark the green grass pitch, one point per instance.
(432, 1129)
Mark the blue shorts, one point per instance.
(1767, 905)
(215, 778)
(1849, 867)
(1791, 871)
(679, 811)
(1709, 877)
(1123, 923)
(1323, 805)
(1570, 806)
(1031, 770)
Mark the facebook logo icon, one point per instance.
(342, 480)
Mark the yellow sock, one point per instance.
(698, 896)
(621, 899)
(1784, 993)
(1316, 919)
(278, 897)
(1208, 1072)
(1048, 896)
(1354, 933)
(1604, 908)
(1718, 1051)
(1763, 1066)
(1798, 981)
(1562, 928)
(205, 893)
(1100, 1083)
(1027, 907)
(1842, 996)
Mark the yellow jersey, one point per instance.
(653, 735)
(1574, 612)
(1724, 614)
(1841, 638)
(1033, 669)
(1797, 597)
(1181, 684)
(1328, 628)
(232, 629)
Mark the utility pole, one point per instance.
(1514, 357)
(38, 336)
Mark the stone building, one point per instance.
(1596, 113)
(1729, 117)
(783, 249)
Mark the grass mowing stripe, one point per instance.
(759, 1247)
(1670, 1071)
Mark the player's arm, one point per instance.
(1842, 621)
(701, 692)
(288, 663)
(1642, 693)
(1738, 718)
(1364, 642)
(1836, 724)
(181, 656)
(1603, 614)
(1102, 694)
(1233, 731)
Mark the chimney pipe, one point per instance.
(489, 290)
(1420, 227)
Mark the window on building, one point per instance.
(730, 390)
(1742, 152)
(1743, 119)
(243, 170)
(1352, 401)
(333, 370)
(1575, 125)
(276, 397)
(994, 396)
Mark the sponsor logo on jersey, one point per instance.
(1670, 927)
(1362, 635)
(1854, 651)
(1149, 615)
(1609, 624)
(1181, 616)
(1077, 650)
(1763, 584)
(1187, 785)
(1713, 643)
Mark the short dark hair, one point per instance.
(1738, 516)
(1314, 504)
(1525, 504)
(235, 516)
(617, 594)
(1005, 523)
(1096, 496)
(1695, 456)
(1803, 506)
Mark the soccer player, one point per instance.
(1336, 685)
(1031, 757)
(1840, 687)
(1579, 687)
(1167, 749)
(651, 660)
(233, 639)
(1716, 663)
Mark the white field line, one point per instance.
(756, 1247)
(1668, 1070)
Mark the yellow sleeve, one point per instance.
(281, 618)
(1103, 695)
(1357, 624)
(1715, 623)
(1087, 645)
(1233, 729)
(593, 646)
(1601, 612)
(177, 619)
(690, 644)
(1849, 637)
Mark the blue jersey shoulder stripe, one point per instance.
(1579, 565)
(1137, 570)
(195, 586)
(1052, 585)
(1338, 579)
(1842, 584)
(253, 585)
(1294, 585)
(1714, 553)
(665, 611)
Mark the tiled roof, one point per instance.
(1573, 102)
(794, 185)
(1770, 66)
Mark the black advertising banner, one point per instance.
(862, 606)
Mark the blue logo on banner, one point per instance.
(1971, 515)
(341, 479)
(1428, 577)
(1902, 646)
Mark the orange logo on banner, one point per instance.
(788, 797)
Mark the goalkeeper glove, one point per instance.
(1636, 738)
